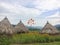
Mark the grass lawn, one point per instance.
(52, 43)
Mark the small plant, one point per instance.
(4, 40)
(31, 37)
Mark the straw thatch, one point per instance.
(6, 27)
(48, 28)
(21, 28)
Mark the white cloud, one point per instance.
(47, 4)
(54, 19)
(56, 15)
(18, 9)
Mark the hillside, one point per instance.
(57, 26)
(34, 28)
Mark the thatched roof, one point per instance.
(48, 28)
(6, 27)
(21, 28)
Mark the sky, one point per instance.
(39, 10)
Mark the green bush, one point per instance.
(4, 40)
(33, 37)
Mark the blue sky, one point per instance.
(39, 10)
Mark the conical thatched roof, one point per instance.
(6, 27)
(48, 28)
(20, 28)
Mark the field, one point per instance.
(52, 43)
(34, 37)
(31, 38)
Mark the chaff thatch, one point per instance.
(21, 28)
(48, 28)
(6, 27)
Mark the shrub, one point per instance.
(30, 38)
(34, 37)
(4, 40)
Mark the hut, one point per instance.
(6, 27)
(49, 29)
(21, 28)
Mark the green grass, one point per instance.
(30, 38)
(34, 37)
(52, 43)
